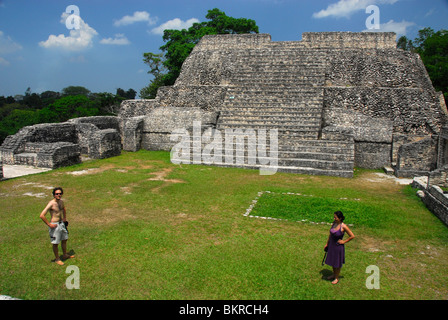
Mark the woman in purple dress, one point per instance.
(335, 245)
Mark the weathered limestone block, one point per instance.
(85, 133)
(161, 122)
(208, 98)
(135, 108)
(439, 177)
(101, 122)
(400, 139)
(437, 203)
(386, 68)
(337, 133)
(99, 137)
(364, 128)
(233, 41)
(205, 68)
(356, 40)
(53, 132)
(58, 154)
(417, 158)
(105, 144)
(132, 132)
(412, 111)
(372, 155)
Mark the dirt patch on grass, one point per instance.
(161, 176)
(92, 170)
(106, 216)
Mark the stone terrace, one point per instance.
(337, 99)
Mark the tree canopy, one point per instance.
(166, 66)
(50, 106)
(433, 49)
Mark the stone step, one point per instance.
(269, 117)
(317, 81)
(245, 158)
(294, 169)
(272, 105)
(258, 144)
(285, 141)
(242, 112)
(242, 119)
(282, 93)
(255, 126)
(252, 71)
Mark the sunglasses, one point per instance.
(58, 194)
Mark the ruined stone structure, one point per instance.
(337, 100)
(61, 144)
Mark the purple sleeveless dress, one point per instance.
(336, 251)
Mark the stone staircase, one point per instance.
(282, 89)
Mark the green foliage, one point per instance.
(180, 43)
(75, 91)
(65, 107)
(433, 49)
(157, 69)
(16, 120)
(317, 209)
(50, 107)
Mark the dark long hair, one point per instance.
(340, 215)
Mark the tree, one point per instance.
(130, 94)
(433, 49)
(180, 43)
(68, 107)
(158, 70)
(75, 91)
(16, 120)
(405, 44)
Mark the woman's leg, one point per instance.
(336, 272)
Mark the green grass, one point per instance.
(143, 228)
(309, 208)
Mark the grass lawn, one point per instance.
(144, 228)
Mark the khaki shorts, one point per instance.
(59, 233)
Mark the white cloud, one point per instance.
(120, 40)
(175, 24)
(77, 40)
(138, 16)
(7, 45)
(345, 8)
(398, 27)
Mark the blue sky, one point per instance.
(40, 47)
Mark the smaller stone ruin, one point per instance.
(54, 145)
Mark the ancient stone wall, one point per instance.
(367, 88)
(352, 40)
(54, 145)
